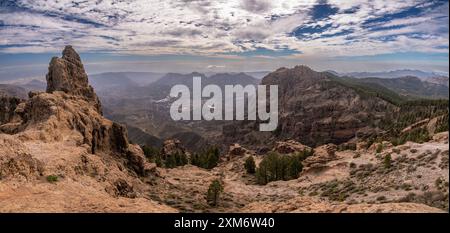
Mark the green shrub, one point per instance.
(387, 161)
(250, 165)
(52, 178)
(379, 148)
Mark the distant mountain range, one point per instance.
(123, 78)
(395, 74)
(13, 90)
(408, 86)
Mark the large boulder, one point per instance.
(289, 147)
(236, 150)
(321, 156)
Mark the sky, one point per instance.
(225, 35)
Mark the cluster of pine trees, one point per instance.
(277, 166)
(175, 160)
(419, 135)
(442, 124)
(151, 153)
(411, 112)
(207, 159)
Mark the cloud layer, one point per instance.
(226, 27)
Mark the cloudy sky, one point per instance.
(226, 35)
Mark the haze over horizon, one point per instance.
(225, 36)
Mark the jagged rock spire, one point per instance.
(67, 74)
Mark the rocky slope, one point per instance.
(331, 181)
(59, 154)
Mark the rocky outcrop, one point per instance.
(236, 150)
(67, 74)
(171, 147)
(290, 146)
(321, 156)
(8, 106)
(69, 110)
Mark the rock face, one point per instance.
(314, 109)
(67, 74)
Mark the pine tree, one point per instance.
(250, 165)
(158, 161)
(170, 161)
(295, 167)
(261, 173)
(214, 191)
(387, 161)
